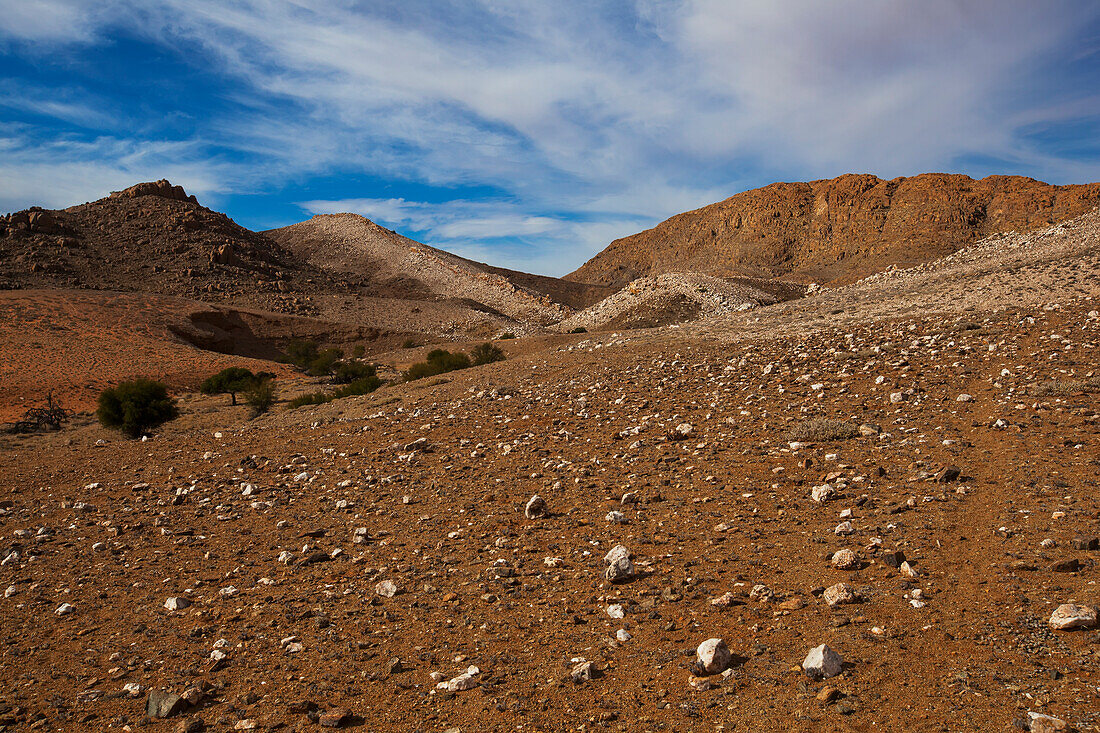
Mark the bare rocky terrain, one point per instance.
(837, 230)
(904, 470)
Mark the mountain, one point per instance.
(387, 264)
(155, 238)
(837, 230)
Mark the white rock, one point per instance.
(714, 656)
(1071, 616)
(536, 507)
(616, 517)
(132, 689)
(1039, 723)
(840, 593)
(822, 493)
(619, 565)
(64, 609)
(623, 635)
(615, 610)
(465, 681)
(964, 397)
(845, 560)
(844, 528)
(177, 604)
(822, 662)
(386, 589)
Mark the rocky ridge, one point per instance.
(837, 230)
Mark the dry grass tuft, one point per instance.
(1064, 388)
(823, 428)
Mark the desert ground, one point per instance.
(904, 469)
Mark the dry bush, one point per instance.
(823, 428)
(1064, 388)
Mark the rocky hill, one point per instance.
(391, 265)
(837, 230)
(155, 238)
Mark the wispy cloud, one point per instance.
(580, 118)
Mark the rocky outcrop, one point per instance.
(161, 188)
(837, 230)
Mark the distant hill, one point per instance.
(837, 230)
(154, 238)
(386, 264)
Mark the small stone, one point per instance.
(1069, 565)
(702, 684)
(822, 493)
(947, 474)
(868, 429)
(616, 517)
(582, 672)
(64, 609)
(1070, 616)
(190, 725)
(334, 718)
(845, 560)
(827, 694)
(896, 397)
(840, 593)
(465, 681)
(536, 507)
(619, 565)
(623, 635)
(1039, 723)
(761, 594)
(713, 656)
(163, 704)
(1086, 543)
(822, 662)
(177, 604)
(615, 611)
(386, 589)
(844, 528)
(964, 397)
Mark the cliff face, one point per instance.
(837, 230)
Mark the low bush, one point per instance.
(135, 407)
(486, 354)
(821, 429)
(1064, 388)
(361, 386)
(439, 361)
(410, 344)
(579, 329)
(506, 335)
(347, 372)
(261, 395)
(37, 419)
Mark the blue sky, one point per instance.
(530, 133)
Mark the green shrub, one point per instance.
(439, 361)
(228, 381)
(313, 398)
(358, 351)
(486, 354)
(301, 353)
(506, 335)
(135, 407)
(410, 344)
(261, 395)
(361, 386)
(324, 363)
(347, 372)
(579, 329)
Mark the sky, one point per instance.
(529, 133)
